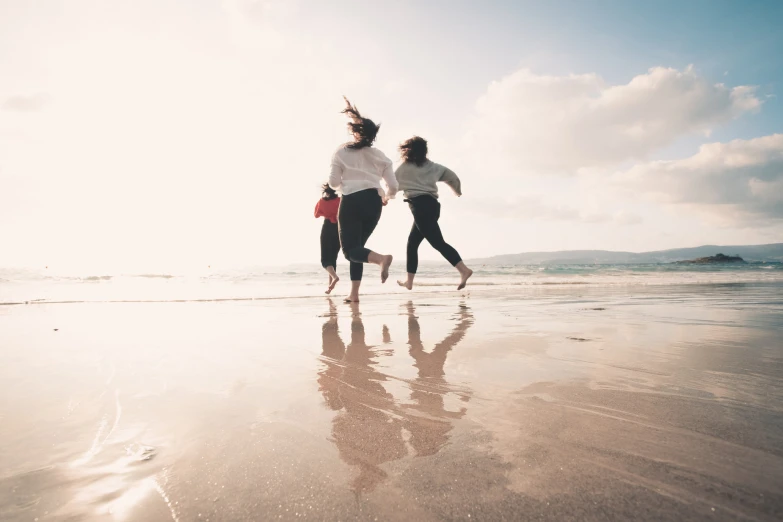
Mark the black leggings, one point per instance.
(330, 244)
(358, 215)
(426, 212)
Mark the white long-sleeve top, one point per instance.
(360, 169)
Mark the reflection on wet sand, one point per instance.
(367, 429)
(670, 411)
(430, 432)
(371, 427)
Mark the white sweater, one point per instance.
(360, 169)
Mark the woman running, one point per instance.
(327, 208)
(417, 177)
(357, 170)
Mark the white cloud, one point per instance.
(536, 208)
(739, 182)
(539, 123)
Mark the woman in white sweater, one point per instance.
(417, 177)
(357, 170)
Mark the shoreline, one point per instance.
(484, 289)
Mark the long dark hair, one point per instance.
(414, 150)
(364, 130)
(327, 192)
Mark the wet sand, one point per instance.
(561, 403)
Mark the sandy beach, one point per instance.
(554, 403)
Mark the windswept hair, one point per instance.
(414, 150)
(327, 192)
(364, 129)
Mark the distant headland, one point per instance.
(711, 260)
(750, 254)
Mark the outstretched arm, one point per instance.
(336, 173)
(449, 178)
(391, 180)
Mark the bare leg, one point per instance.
(465, 273)
(407, 283)
(332, 279)
(354, 297)
(383, 261)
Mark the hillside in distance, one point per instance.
(750, 253)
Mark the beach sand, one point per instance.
(548, 403)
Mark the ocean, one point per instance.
(26, 286)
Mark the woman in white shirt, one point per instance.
(357, 170)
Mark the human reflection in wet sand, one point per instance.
(431, 432)
(367, 431)
(333, 352)
(369, 428)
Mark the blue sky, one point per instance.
(456, 46)
(164, 134)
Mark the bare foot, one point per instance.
(465, 276)
(387, 261)
(406, 284)
(332, 284)
(351, 299)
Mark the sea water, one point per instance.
(30, 286)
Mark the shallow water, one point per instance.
(44, 285)
(590, 402)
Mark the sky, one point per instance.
(173, 135)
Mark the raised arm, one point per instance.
(449, 178)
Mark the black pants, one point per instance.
(358, 215)
(426, 212)
(330, 244)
